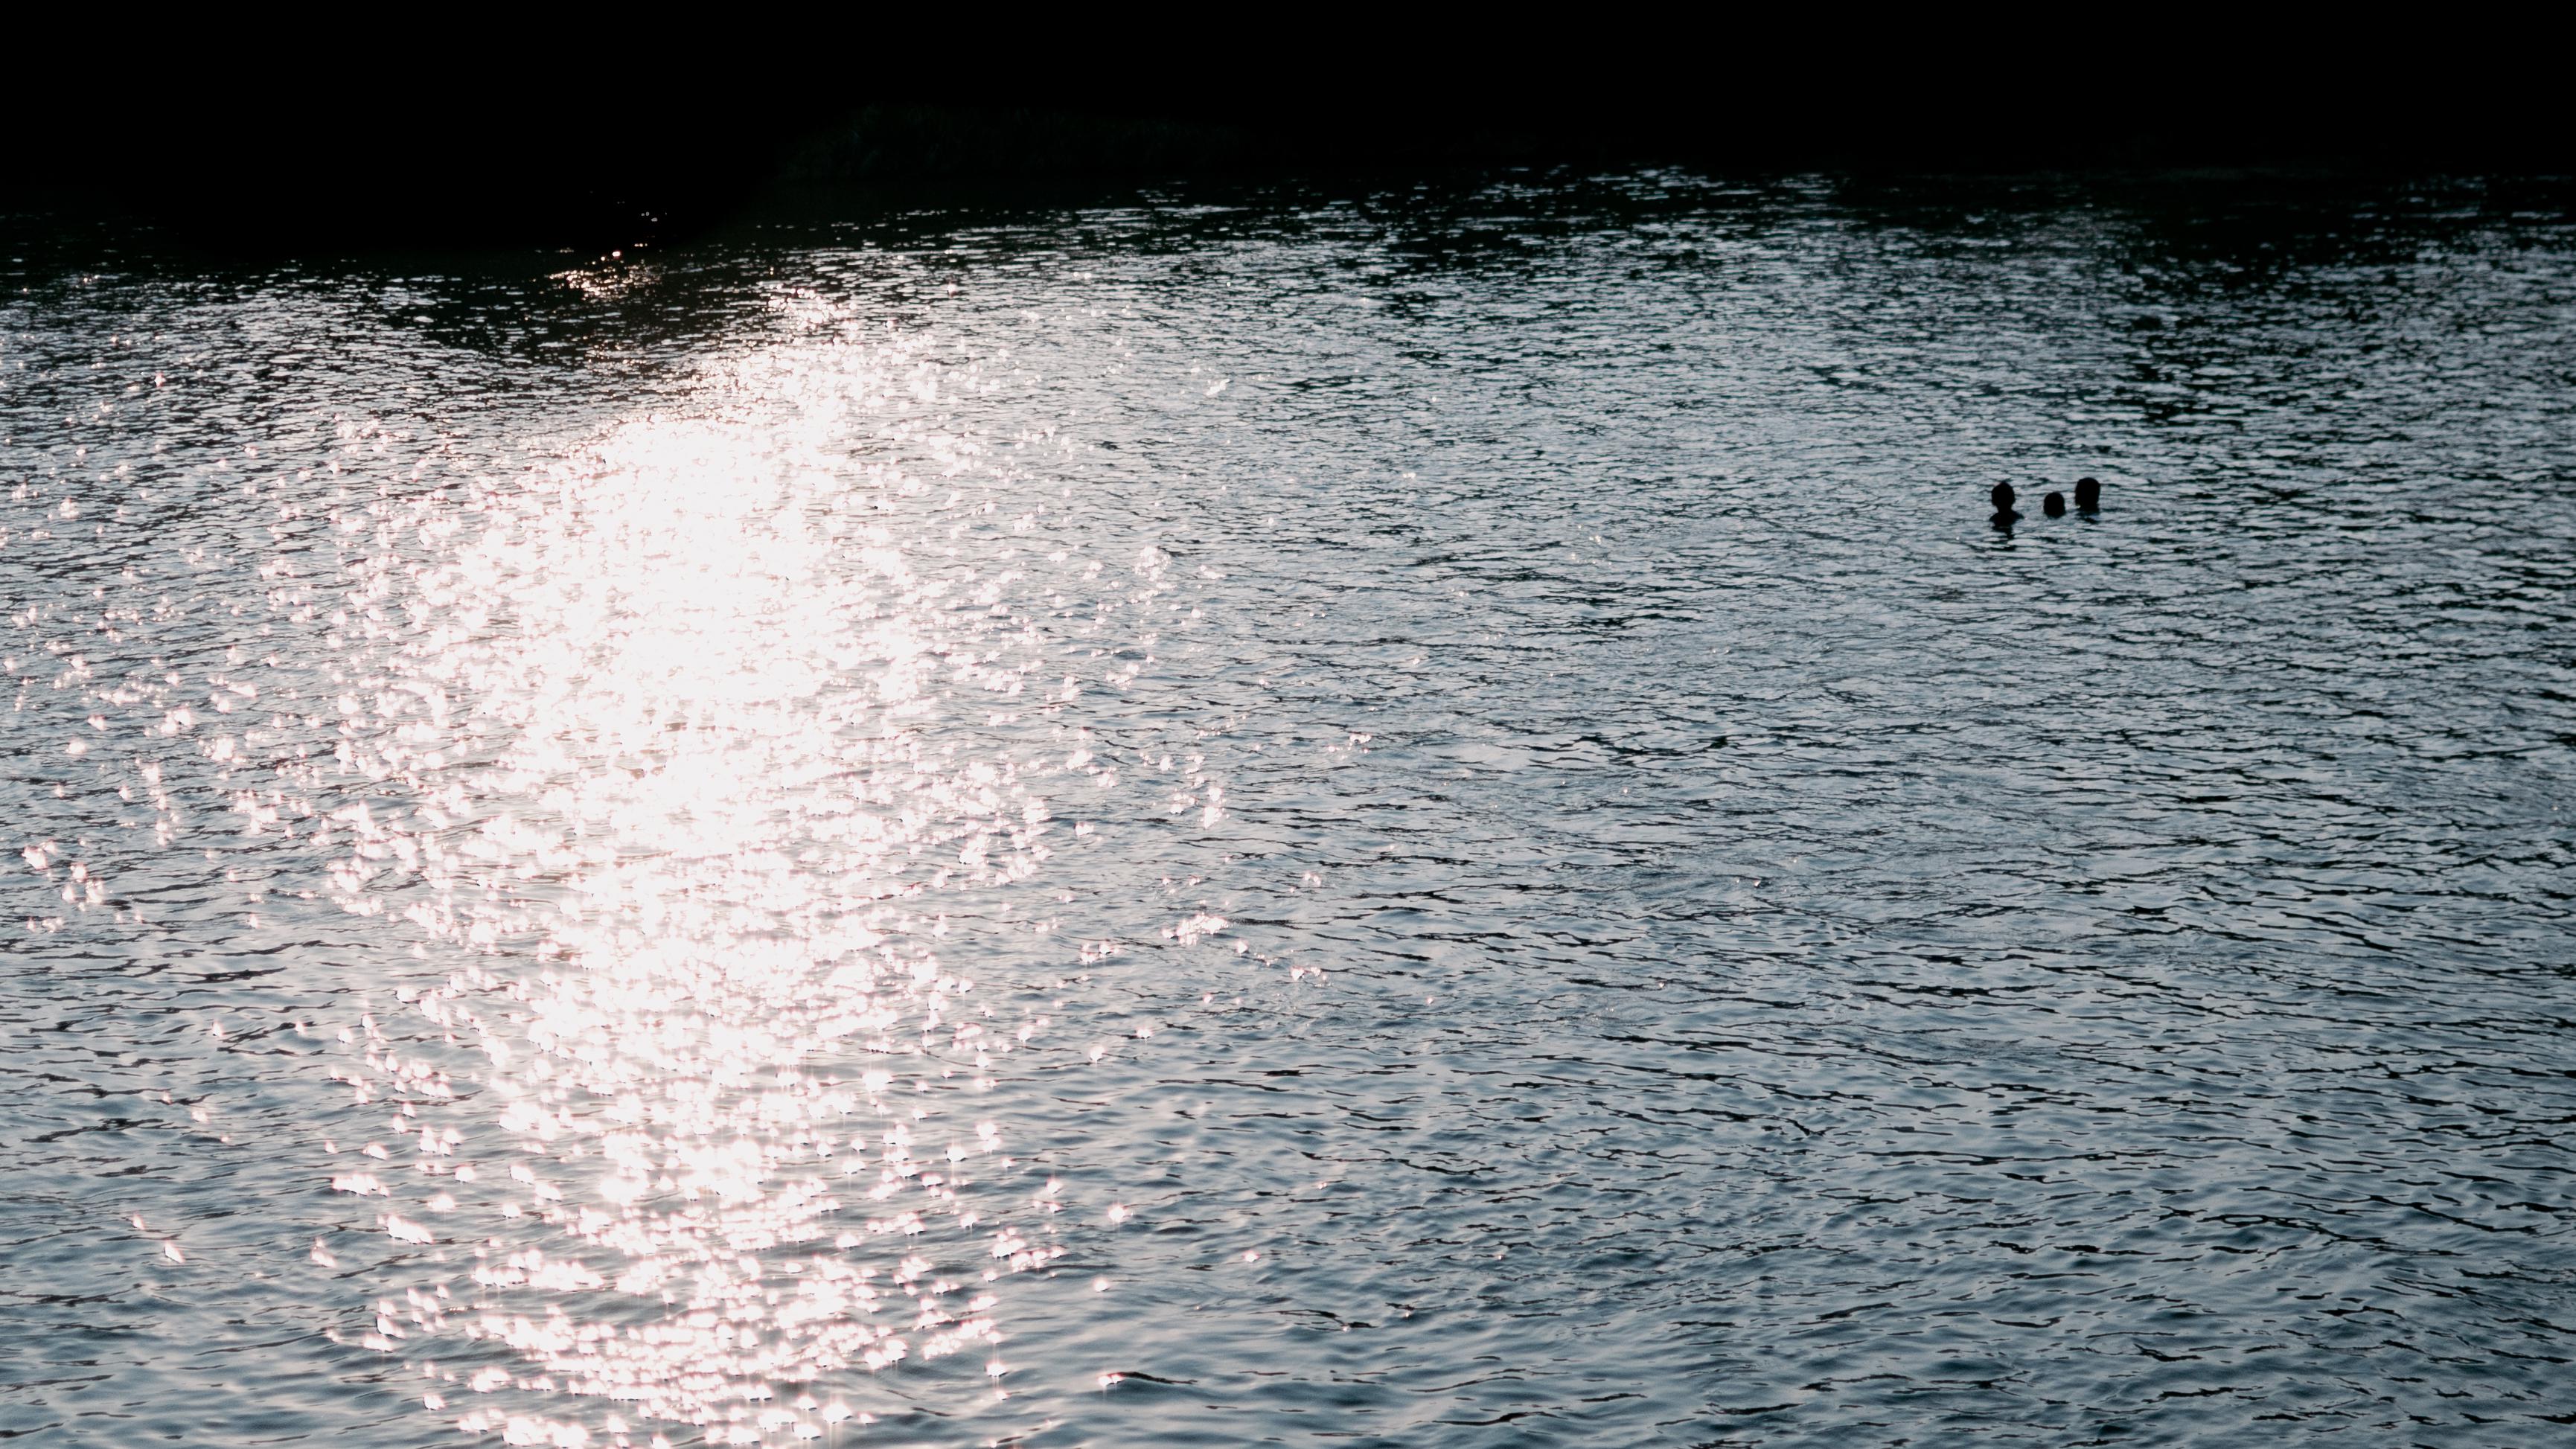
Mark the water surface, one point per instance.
(1430, 819)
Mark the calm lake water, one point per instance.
(1432, 818)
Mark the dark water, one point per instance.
(1427, 820)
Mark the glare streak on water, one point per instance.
(1426, 820)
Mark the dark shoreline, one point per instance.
(564, 179)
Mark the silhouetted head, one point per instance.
(2003, 496)
(2054, 505)
(2088, 493)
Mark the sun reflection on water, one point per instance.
(656, 747)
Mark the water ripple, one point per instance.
(1429, 819)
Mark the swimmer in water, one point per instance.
(2088, 494)
(2003, 499)
(2054, 505)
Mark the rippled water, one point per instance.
(1435, 819)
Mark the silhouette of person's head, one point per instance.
(2054, 505)
(2088, 494)
(2004, 515)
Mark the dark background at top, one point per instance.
(486, 138)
